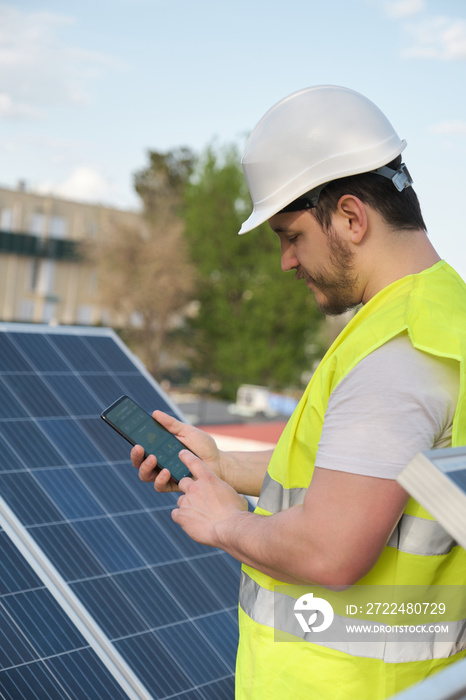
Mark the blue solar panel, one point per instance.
(162, 608)
(42, 653)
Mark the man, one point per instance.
(324, 169)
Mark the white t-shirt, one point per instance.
(396, 402)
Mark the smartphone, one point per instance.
(139, 428)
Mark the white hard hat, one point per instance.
(309, 138)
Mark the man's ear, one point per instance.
(353, 215)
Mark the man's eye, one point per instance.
(292, 239)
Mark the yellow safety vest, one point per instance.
(431, 308)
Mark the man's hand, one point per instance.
(194, 439)
(207, 504)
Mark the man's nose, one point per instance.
(289, 261)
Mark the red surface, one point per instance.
(263, 432)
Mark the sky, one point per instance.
(87, 89)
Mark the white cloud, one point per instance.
(38, 69)
(11, 109)
(440, 37)
(7, 146)
(85, 184)
(454, 126)
(403, 8)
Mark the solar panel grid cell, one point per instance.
(34, 395)
(10, 360)
(41, 651)
(8, 457)
(73, 444)
(25, 497)
(73, 676)
(26, 440)
(66, 549)
(70, 495)
(73, 394)
(9, 407)
(167, 604)
(40, 352)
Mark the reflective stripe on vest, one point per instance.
(274, 498)
(412, 535)
(272, 609)
(415, 535)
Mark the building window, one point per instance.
(6, 219)
(26, 310)
(34, 274)
(91, 228)
(58, 227)
(49, 313)
(36, 224)
(42, 276)
(84, 315)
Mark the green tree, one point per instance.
(255, 324)
(161, 184)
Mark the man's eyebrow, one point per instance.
(285, 230)
(280, 229)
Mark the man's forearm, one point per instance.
(245, 471)
(333, 539)
(275, 545)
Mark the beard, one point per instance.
(337, 281)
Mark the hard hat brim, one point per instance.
(262, 211)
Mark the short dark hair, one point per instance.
(401, 210)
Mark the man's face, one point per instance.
(321, 258)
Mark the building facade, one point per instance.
(43, 277)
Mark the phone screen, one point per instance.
(139, 428)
